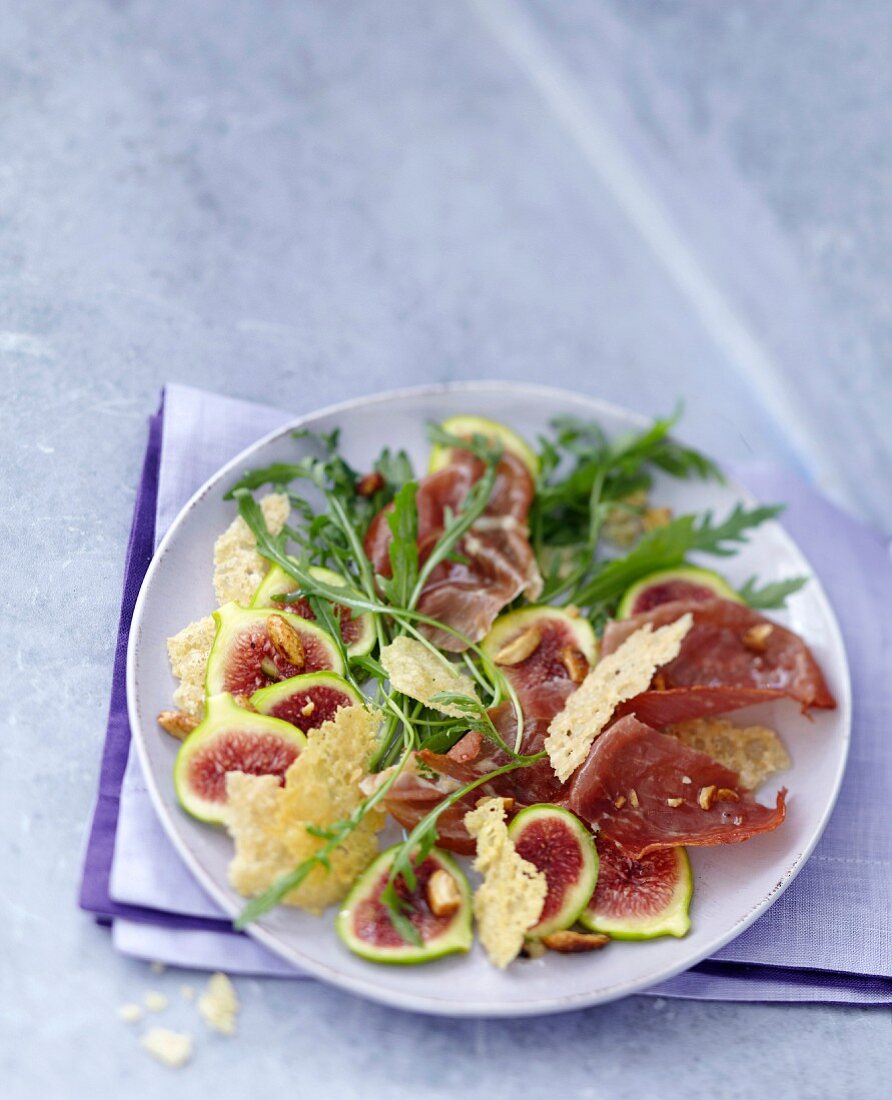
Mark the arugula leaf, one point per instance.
(487, 450)
(710, 538)
(418, 844)
(279, 473)
(772, 596)
(396, 469)
(584, 476)
(667, 547)
(403, 549)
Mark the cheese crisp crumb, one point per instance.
(155, 1002)
(754, 752)
(238, 568)
(172, 1048)
(130, 1014)
(622, 675)
(188, 652)
(510, 899)
(219, 1005)
(418, 672)
(269, 823)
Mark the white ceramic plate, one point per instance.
(733, 884)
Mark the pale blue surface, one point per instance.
(320, 199)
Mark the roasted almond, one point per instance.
(633, 798)
(508, 803)
(575, 663)
(756, 637)
(655, 517)
(725, 794)
(706, 797)
(443, 894)
(572, 943)
(521, 647)
(286, 640)
(369, 484)
(532, 949)
(308, 708)
(177, 723)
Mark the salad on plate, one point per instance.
(495, 698)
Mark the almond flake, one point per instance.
(706, 797)
(674, 801)
(633, 799)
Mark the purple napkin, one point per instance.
(826, 939)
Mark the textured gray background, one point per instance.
(301, 201)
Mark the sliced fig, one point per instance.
(545, 652)
(306, 701)
(640, 899)
(230, 739)
(245, 657)
(364, 922)
(358, 634)
(467, 426)
(558, 844)
(687, 582)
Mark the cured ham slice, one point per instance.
(731, 646)
(498, 562)
(414, 794)
(665, 708)
(633, 788)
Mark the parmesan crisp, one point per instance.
(171, 1048)
(418, 672)
(509, 901)
(188, 652)
(754, 752)
(269, 823)
(219, 1005)
(622, 675)
(238, 568)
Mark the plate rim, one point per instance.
(366, 987)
